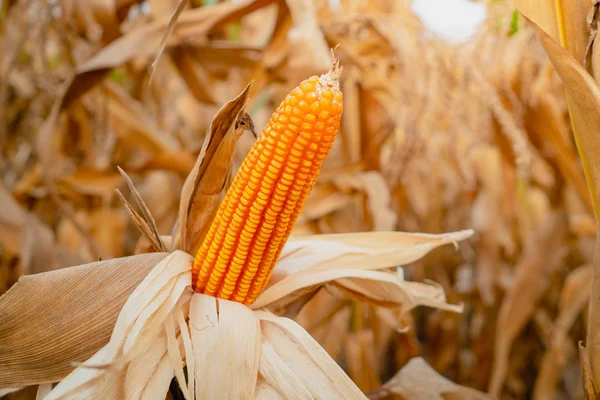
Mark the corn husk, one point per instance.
(164, 326)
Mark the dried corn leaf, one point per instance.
(564, 21)
(135, 126)
(542, 254)
(192, 25)
(586, 372)
(23, 234)
(49, 320)
(361, 360)
(574, 297)
(145, 224)
(583, 95)
(94, 183)
(418, 381)
(207, 182)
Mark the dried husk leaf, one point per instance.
(206, 184)
(137, 127)
(418, 381)
(226, 338)
(301, 360)
(143, 354)
(352, 260)
(49, 320)
(547, 122)
(134, 363)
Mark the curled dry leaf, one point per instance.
(584, 95)
(49, 320)
(418, 381)
(207, 182)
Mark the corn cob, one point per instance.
(266, 196)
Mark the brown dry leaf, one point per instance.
(296, 49)
(93, 183)
(324, 199)
(586, 373)
(193, 25)
(108, 230)
(418, 381)
(207, 182)
(168, 32)
(327, 318)
(542, 254)
(145, 224)
(52, 319)
(489, 226)
(195, 76)
(23, 234)
(569, 22)
(135, 125)
(546, 121)
(308, 50)
(574, 297)
(163, 204)
(565, 23)
(361, 360)
(377, 191)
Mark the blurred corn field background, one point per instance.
(438, 134)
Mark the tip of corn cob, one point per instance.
(330, 80)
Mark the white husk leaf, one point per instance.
(313, 368)
(226, 342)
(351, 259)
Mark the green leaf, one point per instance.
(514, 23)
